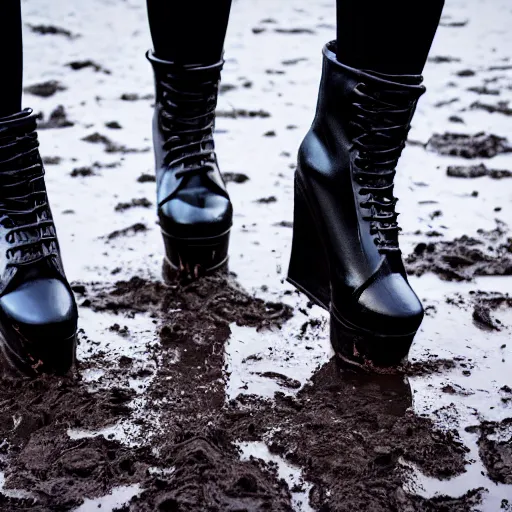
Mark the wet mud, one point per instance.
(480, 145)
(477, 171)
(495, 447)
(191, 460)
(489, 253)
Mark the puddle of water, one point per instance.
(291, 474)
(255, 360)
(125, 432)
(118, 497)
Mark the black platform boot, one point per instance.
(345, 253)
(38, 313)
(193, 205)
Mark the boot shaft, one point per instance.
(343, 89)
(30, 247)
(188, 93)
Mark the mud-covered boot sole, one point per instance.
(194, 257)
(365, 348)
(58, 358)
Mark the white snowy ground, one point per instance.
(114, 34)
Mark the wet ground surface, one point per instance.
(223, 394)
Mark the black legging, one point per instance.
(389, 36)
(11, 61)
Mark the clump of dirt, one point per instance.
(51, 30)
(242, 113)
(146, 178)
(266, 200)
(483, 89)
(135, 202)
(294, 30)
(428, 367)
(235, 177)
(457, 24)
(133, 96)
(484, 304)
(463, 258)
(113, 125)
(480, 145)
(207, 470)
(502, 107)
(45, 89)
(82, 172)
(58, 119)
(110, 146)
(52, 160)
(441, 59)
(465, 73)
(77, 65)
(495, 449)
(138, 227)
(477, 171)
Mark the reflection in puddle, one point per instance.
(118, 497)
(292, 475)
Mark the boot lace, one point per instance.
(24, 210)
(381, 124)
(187, 121)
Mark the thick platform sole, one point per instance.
(57, 358)
(309, 273)
(196, 256)
(366, 348)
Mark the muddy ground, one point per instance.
(222, 394)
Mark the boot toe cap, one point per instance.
(41, 309)
(390, 306)
(196, 213)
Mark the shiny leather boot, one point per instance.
(345, 253)
(38, 313)
(194, 208)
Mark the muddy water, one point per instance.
(223, 394)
